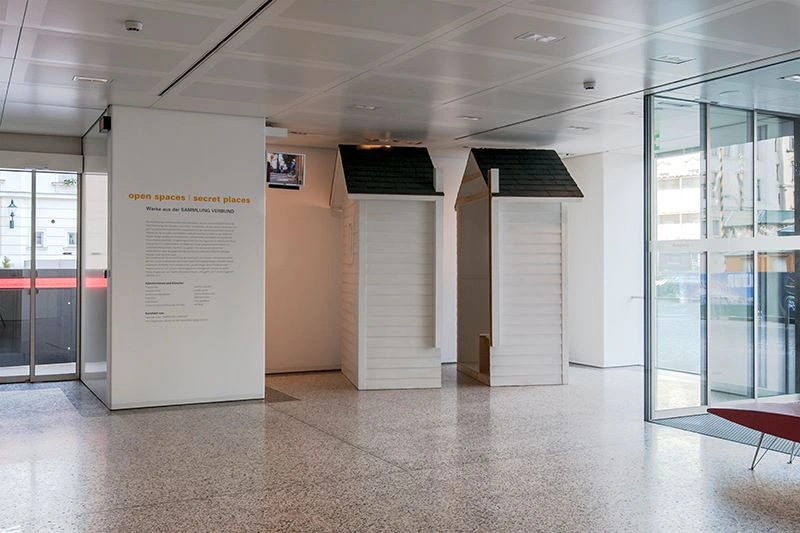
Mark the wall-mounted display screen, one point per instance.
(285, 170)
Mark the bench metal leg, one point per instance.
(791, 454)
(756, 458)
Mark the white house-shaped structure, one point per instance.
(391, 203)
(512, 208)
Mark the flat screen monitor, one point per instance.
(285, 170)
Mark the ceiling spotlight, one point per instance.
(133, 25)
(364, 107)
(90, 79)
(538, 37)
(672, 59)
(579, 128)
(589, 85)
(469, 117)
(792, 77)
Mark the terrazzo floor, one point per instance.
(463, 458)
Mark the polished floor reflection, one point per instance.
(463, 458)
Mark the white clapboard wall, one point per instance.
(398, 294)
(528, 257)
(349, 304)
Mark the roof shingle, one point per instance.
(393, 170)
(532, 173)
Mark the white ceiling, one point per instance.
(422, 64)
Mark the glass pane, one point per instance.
(730, 327)
(777, 312)
(56, 273)
(730, 173)
(775, 175)
(15, 280)
(680, 170)
(680, 300)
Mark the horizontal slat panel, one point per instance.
(426, 331)
(402, 310)
(398, 269)
(384, 300)
(399, 342)
(401, 363)
(414, 383)
(528, 269)
(409, 320)
(400, 257)
(375, 374)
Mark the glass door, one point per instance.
(39, 219)
(16, 203)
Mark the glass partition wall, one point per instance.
(38, 275)
(722, 248)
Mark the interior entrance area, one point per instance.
(38, 275)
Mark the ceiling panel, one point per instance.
(427, 91)
(408, 17)
(50, 74)
(8, 40)
(231, 93)
(499, 34)
(526, 105)
(86, 51)
(773, 24)
(105, 18)
(386, 110)
(49, 120)
(639, 56)
(77, 97)
(481, 68)
(206, 105)
(216, 4)
(648, 13)
(273, 41)
(274, 73)
(570, 80)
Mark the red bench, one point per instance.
(779, 419)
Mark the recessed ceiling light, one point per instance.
(469, 117)
(579, 128)
(792, 77)
(89, 79)
(538, 37)
(672, 59)
(730, 93)
(364, 107)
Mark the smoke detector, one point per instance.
(133, 25)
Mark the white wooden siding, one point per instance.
(528, 341)
(349, 304)
(399, 243)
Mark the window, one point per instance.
(72, 238)
(40, 239)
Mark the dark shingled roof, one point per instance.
(534, 173)
(395, 170)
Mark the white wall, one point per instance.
(452, 165)
(585, 262)
(605, 261)
(623, 259)
(218, 353)
(303, 272)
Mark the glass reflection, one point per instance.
(730, 173)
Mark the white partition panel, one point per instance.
(187, 257)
